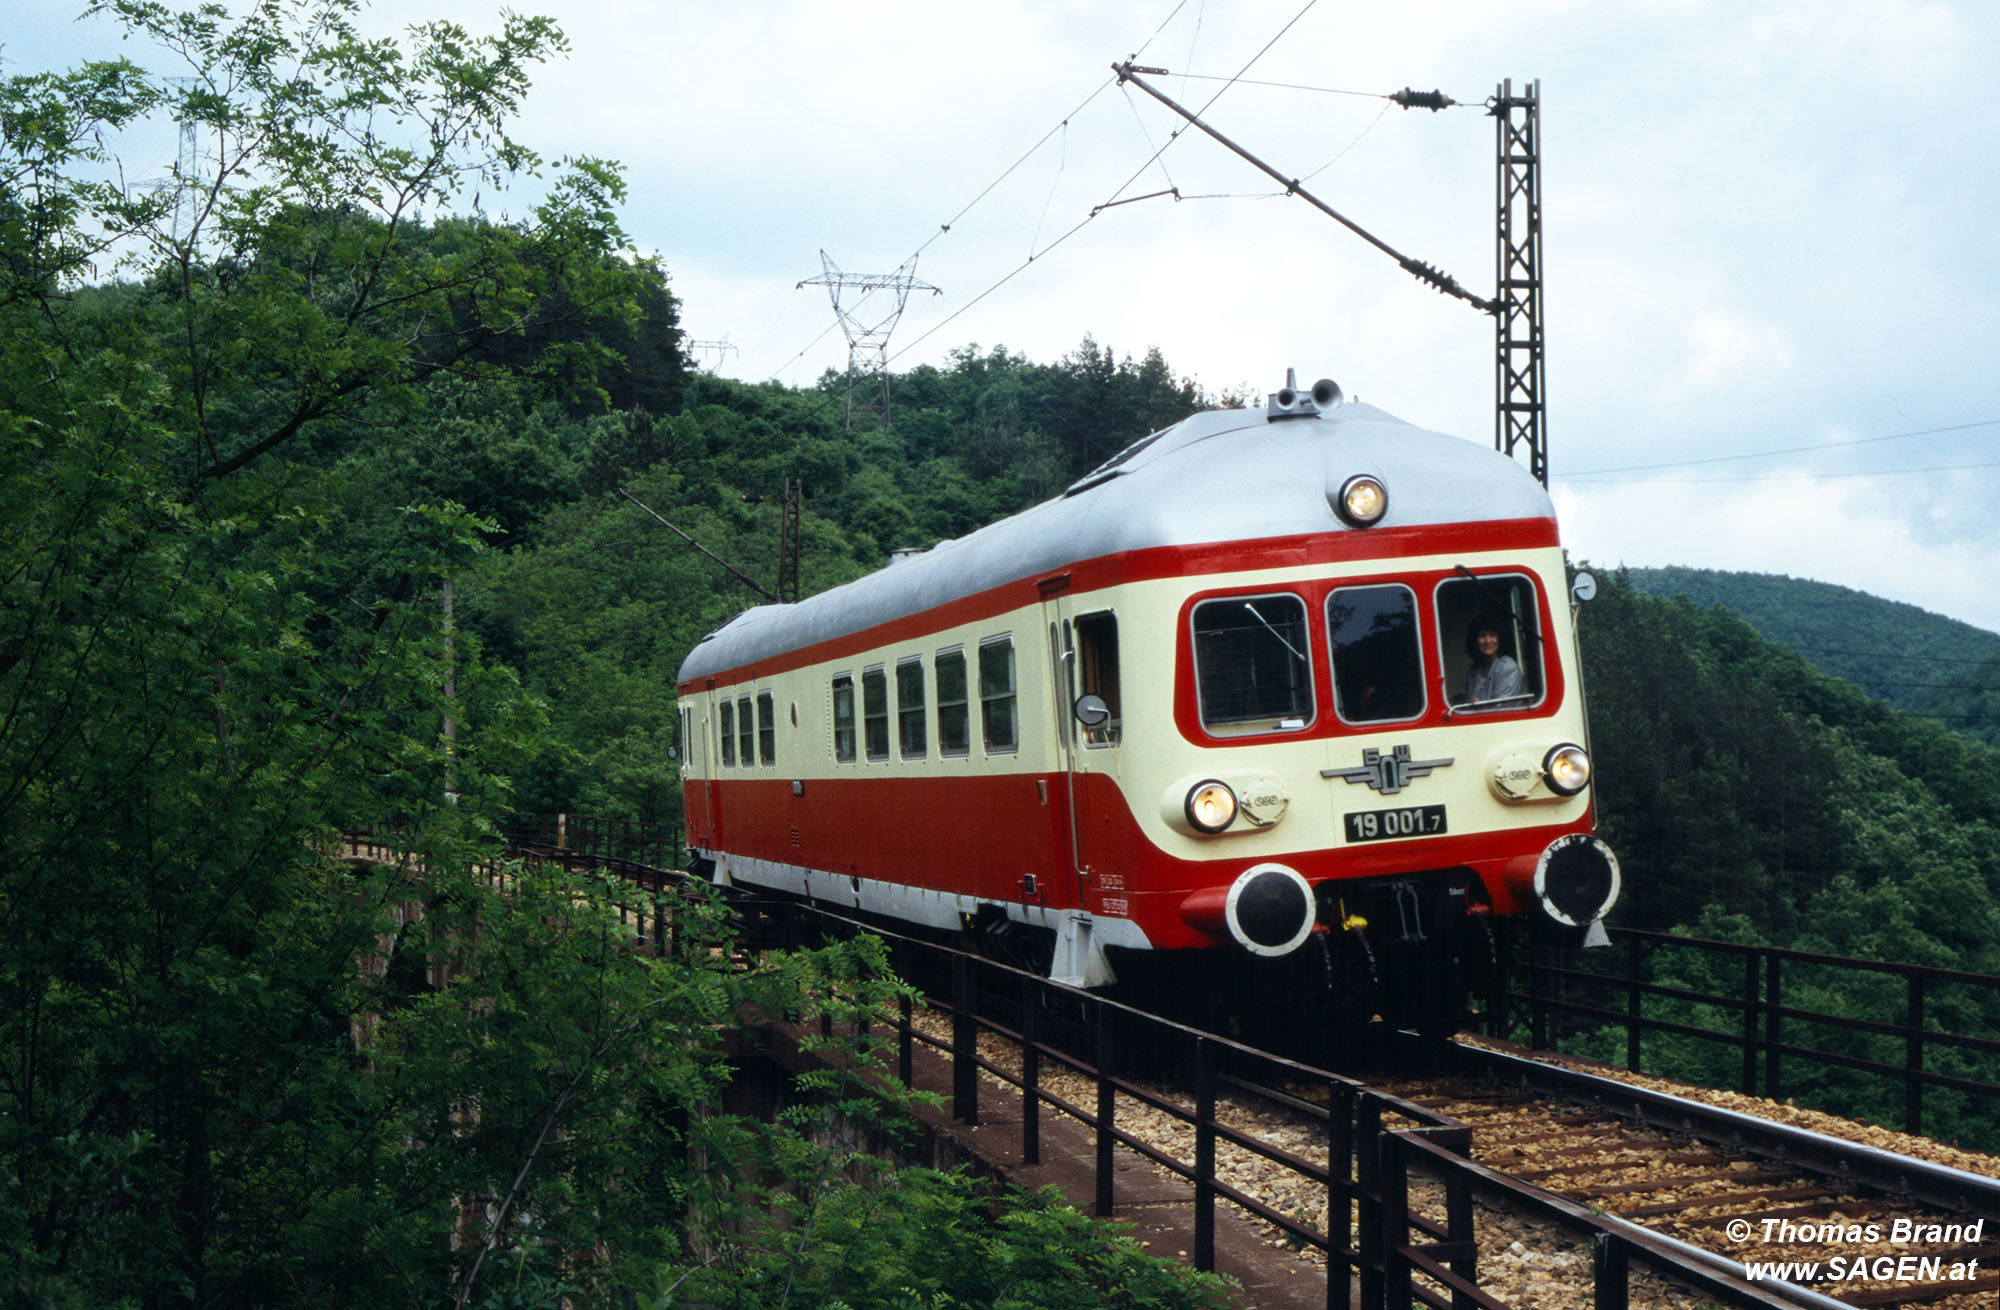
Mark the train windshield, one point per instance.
(1378, 666)
(1491, 642)
(1252, 673)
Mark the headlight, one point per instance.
(1363, 500)
(1211, 806)
(1566, 769)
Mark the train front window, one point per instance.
(1251, 670)
(1378, 667)
(1491, 642)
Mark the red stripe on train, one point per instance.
(981, 837)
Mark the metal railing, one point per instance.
(1730, 995)
(1378, 1242)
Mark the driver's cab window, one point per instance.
(1251, 670)
(1378, 667)
(1491, 642)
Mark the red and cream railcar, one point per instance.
(1223, 704)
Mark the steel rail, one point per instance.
(1837, 1158)
(1712, 1274)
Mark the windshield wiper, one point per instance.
(1273, 631)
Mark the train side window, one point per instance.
(1252, 672)
(726, 722)
(1097, 658)
(1510, 677)
(953, 714)
(997, 717)
(875, 712)
(910, 708)
(843, 718)
(767, 728)
(746, 732)
(1378, 667)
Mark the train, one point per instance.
(1280, 704)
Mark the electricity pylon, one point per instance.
(186, 169)
(868, 332)
(699, 350)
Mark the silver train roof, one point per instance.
(1218, 476)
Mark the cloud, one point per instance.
(1721, 346)
(1899, 45)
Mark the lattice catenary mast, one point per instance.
(1520, 417)
(867, 335)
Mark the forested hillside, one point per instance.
(1911, 658)
(311, 524)
(1739, 782)
(596, 601)
(1754, 798)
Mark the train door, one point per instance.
(712, 778)
(696, 770)
(1061, 656)
(1083, 652)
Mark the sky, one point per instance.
(1769, 254)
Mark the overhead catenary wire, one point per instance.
(1087, 218)
(1405, 97)
(1426, 273)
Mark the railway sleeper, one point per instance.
(1686, 1156)
(1690, 1180)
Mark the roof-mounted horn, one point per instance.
(1293, 403)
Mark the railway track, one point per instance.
(1874, 1227)
(1705, 1189)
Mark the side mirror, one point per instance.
(1582, 587)
(1091, 711)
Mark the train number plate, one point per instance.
(1409, 821)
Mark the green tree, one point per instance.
(196, 689)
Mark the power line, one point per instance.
(1792, 450)
(1784, 477)
(948, 224)
(1086, 219)
(1060, 128)
(1888, 655)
